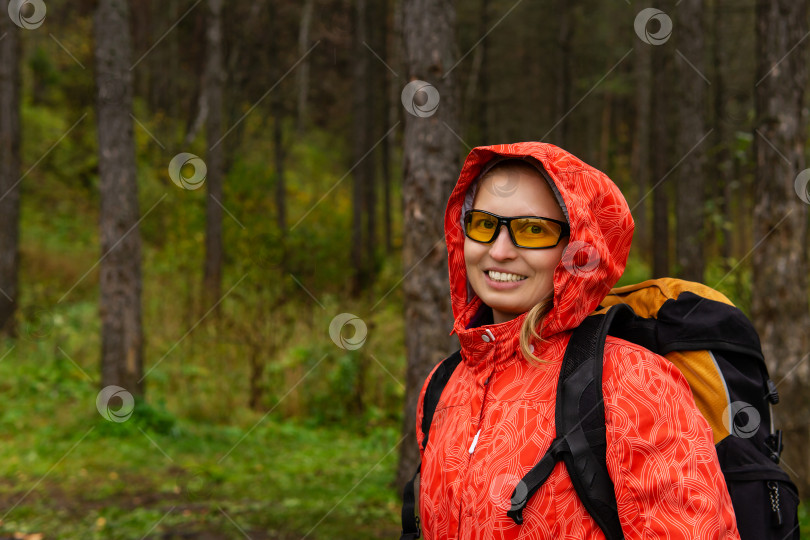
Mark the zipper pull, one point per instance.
(475, 441)
(776, 511)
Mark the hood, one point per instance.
(596, 255)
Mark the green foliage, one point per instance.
(308, 455)
(636, 271)
(732, 278)
(804, 520)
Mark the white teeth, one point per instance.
(503, 276)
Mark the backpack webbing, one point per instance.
(580, 441)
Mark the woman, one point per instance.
(518, 288)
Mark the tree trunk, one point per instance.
(9, 170)
(661, 148)
(430, 168)
(391, 113)
(692, 109)
(120, 268)
(303, 69)
(361, 144)
(377, 11)
(281, 186)
(605, 134)
(641, 148)
(476, 95)
(565, 38)
(277, 108)
(722, 166)
(779, 258)
(214, 81)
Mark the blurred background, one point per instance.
(222, 262)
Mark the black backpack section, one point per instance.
(410, 522)
(765, 500)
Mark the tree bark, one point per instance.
(661, 147)
(779, 258)
(9, 170)
(376, 111)
(476, 96)
(361, 145)
(120, 268)
(641, 147)
(391, 112)
(214, 81)
(692, 110)
(565, 38)
(277, 108)
(303, 69)
(722, 166)
(430, 168)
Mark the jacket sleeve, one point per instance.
(660, 451)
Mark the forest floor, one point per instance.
(66, 472)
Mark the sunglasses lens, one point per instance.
(480, 227)
(535, 232)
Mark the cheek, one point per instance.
(472, 253)
(545, 263)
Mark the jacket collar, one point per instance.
(487, 347)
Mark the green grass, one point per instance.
(66, 472)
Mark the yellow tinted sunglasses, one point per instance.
(531, 232)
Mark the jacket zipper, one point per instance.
(474, 443)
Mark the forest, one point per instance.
(223, 271)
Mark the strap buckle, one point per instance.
(520, 496)
(412, 535)
(773, 443)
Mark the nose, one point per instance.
(502, 248)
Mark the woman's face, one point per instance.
(509, 279)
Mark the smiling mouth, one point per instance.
(504, 277)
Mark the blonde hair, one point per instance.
(528, 331)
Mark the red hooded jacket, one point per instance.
(495, 418)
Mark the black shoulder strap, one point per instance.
(580, 425)
(410, 523)
(434, 391)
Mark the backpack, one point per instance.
(718, 351)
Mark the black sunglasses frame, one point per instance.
(565, 230)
